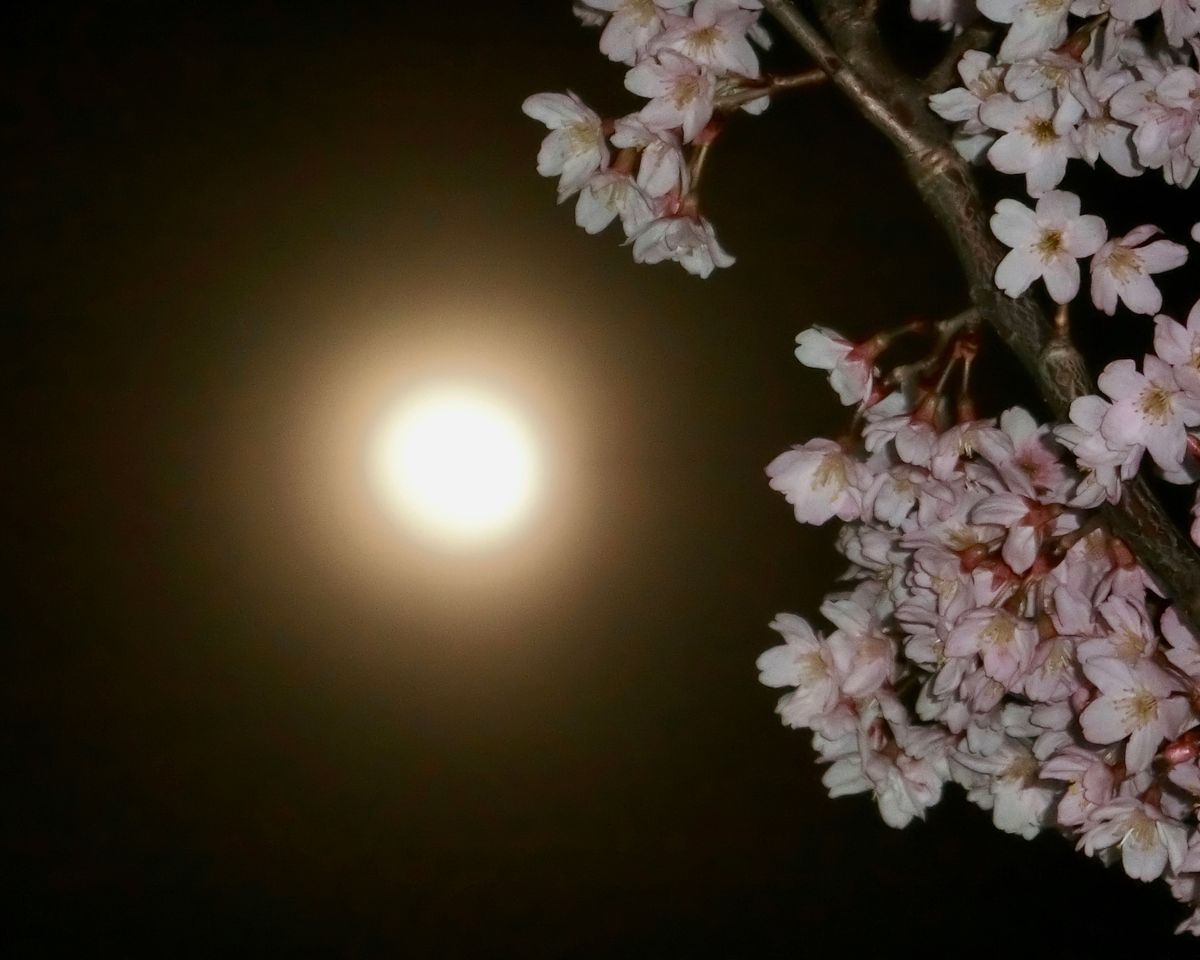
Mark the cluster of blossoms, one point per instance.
(1148, 411)
(993, 634)
(1095, 88)
(687, 59)
(1118, 84)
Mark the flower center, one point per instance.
(642, 11)
(1130, 646)
(1050, 245)
(1140, 708)
(1156, 404)
(1043, 131)
(999, 632)
(987, 84)
(583, 135)
(1143, 832)
(685, 90)
(1024, 767)
(960, 539)
(811, 668)
(1124, 264)
(703, 40)
(1058, 661)
(831, 471)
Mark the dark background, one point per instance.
(246, 713)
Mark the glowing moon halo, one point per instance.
(458, 463)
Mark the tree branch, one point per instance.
(895, 103)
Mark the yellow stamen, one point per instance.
(1155, 403)
(1050, 245)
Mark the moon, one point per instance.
(457, 463)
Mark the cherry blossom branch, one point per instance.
(769, 87)
(896, 127)
(895, 103)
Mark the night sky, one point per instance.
(247, 713)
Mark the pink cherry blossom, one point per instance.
(1128, 634)
(680, 92)
(864, 655)
(950, 14)
(1165, 111)
(1046, 243)
(1122, 268)
(714, 36)
(989, 628)
(1183, 649)
(903, 784)
(1148, 840)
(1105, 462)
(1020, 801)
(819, 480)
(1177, 344)
(662, 168)
(1037, 25)
(1089, 779)
(1136, 702)
(1037, 138)
(802, 661)
(633, 24)
(981, 79)
(1149, 408)
(850, 365)
(1004, 643)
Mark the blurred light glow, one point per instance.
(458, 463)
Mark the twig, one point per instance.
(769, 87)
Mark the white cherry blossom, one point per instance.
(713, 36)
(819, 480)
(981, 79)
(662, 168)
(1177, 344)
(1037, 139)
(1149, 408)
(607, 195)
(688, 240)
(680, 92)
(1046, 242)
(1123, 266)
(1148, 840)
(1165, 110)
(1136, 702)
(1037, 25)
(633, 24)
(850, 365)
(575, 147)
(802, 661)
